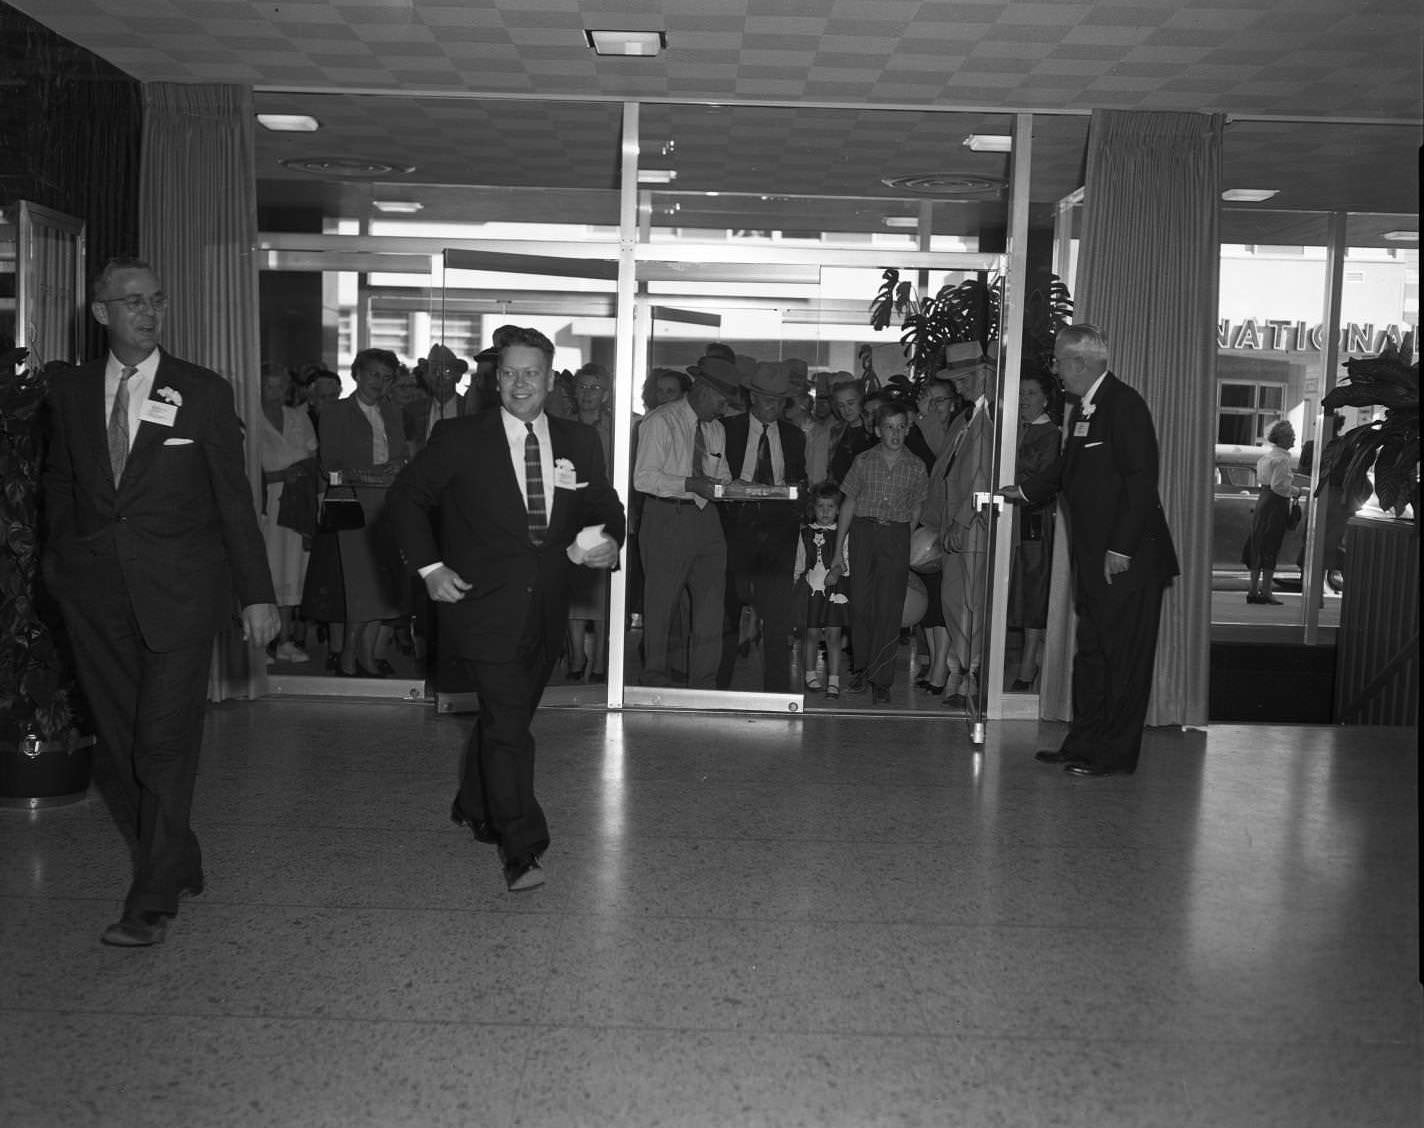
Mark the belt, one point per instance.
(673, 500)
(882, 521)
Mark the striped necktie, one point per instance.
(119, 425)
(534, 488)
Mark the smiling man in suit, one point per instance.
(1121, 550)
(151, 531)
(512, 489)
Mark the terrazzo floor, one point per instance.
(749, 921)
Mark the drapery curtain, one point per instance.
(1147, 276)
(198, 227)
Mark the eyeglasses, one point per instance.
(138, 303)
(588, 387)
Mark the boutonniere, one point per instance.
(168, 395)
(1088, 409)
(563, 464)
(565, 476)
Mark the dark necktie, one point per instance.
(699, 450)
(763, 475)
(119, 425)
(534, 487)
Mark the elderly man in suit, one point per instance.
(151, 532)
(1121, 550)
(441, 373)
(522, 498)
(762, 449)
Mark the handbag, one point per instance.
(1294, 516)
(341, 514)
(925, 551)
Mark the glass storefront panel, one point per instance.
(1270, 369)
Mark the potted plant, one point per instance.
(1382, 456)
(968, 311)
(43, 758)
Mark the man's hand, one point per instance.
(602, 555)
(260, 623)
(953, 539)
(1114, 563)
(702, 487)
(1013, 494)
(444, 585)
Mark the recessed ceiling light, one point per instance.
(288, 123)
(1248, 195)
(638, 44)
(1401, 236)
(397, 207)
(989, 143)
(657, 175)
(901, 221)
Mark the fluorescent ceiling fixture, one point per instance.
(289, 123)
(989, 143)
(397, 207)
(657, 175)
(1401, 236)
(632, 43)
(1248, 195)
(901, 221)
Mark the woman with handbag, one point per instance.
(362, 449)
(1271, 516)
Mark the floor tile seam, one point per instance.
(829, 1032)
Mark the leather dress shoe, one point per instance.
(1090, 771)
(136, 930)
(482, 830)
(1057, 756)
(523, 874)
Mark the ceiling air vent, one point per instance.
(948, 185)
(346, 168)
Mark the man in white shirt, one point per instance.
(681, 459)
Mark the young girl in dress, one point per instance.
(820, 610)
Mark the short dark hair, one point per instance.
(507, 335)
(112, 267)
(889, 409)
(650, 385)
(375, 356)
(822, 491)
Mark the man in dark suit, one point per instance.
(1121, 551)
(764, 449)
(441, 373)
(151, 530)
(513, 489)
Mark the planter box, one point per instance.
(44, 773)
(1377, 646)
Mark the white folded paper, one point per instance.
(589, 538)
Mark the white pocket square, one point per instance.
(177, 442)
(1087, 445)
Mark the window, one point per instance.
(391, 331)
(1246, 410)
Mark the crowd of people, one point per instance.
(824, 584)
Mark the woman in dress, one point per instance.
(1268, 520)
(286, 444)
(588, 590)
(1039, 443)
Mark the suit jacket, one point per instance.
(967, 468)
(793, 447)
(180, 528)
(345, 435)
(465, 476)
(415, 416)
(1108, 478)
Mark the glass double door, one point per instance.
(724, 602)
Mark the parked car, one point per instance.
(1233, 503)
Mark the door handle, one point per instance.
(985, 499)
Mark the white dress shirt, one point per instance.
(515, 432)
(666, 439)
(140, 388)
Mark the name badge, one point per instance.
(565, 478)
(164, 414)
(1080, 430)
